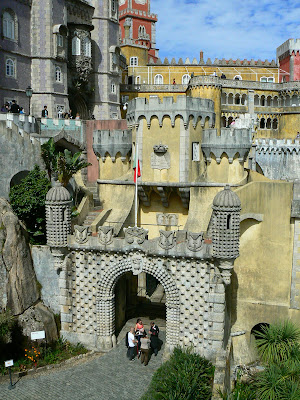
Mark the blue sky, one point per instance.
(223, 28)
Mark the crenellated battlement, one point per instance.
(112, 142)
(277, 146)
(217, 62)
(185, 107)
(230, 142)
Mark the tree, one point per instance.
(49, 156)
(68, 165)
(65, 165)
(28, 202)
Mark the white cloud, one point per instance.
(224, 28)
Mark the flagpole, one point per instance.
(136, 185)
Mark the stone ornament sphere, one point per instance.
(58, 193)
(226, 199)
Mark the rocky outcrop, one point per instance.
(15, 263)
(18, 285)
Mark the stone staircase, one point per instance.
(93, 188)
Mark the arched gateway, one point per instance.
(194, 272)
(135, 263)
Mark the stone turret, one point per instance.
(226, 230)
(58, 216)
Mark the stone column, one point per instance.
(106, 322)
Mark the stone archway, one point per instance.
(135, 263)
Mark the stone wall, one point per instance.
(18, 153)
(46, 276)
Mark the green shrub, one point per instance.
(28, 202)
(185, 376)
(276, 342)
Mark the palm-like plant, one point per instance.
(49, 156)
(68, 165)
(278, 342)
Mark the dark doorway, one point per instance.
(134, 299)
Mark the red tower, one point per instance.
(289, 60)
(135, 17)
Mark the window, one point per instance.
(185, 79)
(87, 47)
(60, 109)
(76, 46)
(60, 40)
(196, 151)
(8, 25)
(58, 74)
(137, 80)
(134, 61)
(158, 79)
(266, 79)
(113, 5)
(238, 78)
(10, 67)
(113, 88)
(142, 32)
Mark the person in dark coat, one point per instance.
(154, 341)
(14, 108)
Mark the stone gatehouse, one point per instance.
(194, 269)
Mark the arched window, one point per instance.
(185, 79)
(238, 78)
(10, 67)
(76, 46)
(137, 80)
(237, 99)
(275, 123)
(87, 47)
(134, 61)
(262, 124)
(142, 32)
(269, 123)
(58, 74)
(8, 20)
(158, 79)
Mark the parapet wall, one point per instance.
(112, 142)
(289, 46)
(185, 107)
(278, 159)
(230, 142)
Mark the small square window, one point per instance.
(133, 61)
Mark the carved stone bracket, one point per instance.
(135, 235)
(194, 241)
(144, 195)
(226, 267)
(105, 235)
(81, 233)
(164, 193)
(184, 194)
(167, 239)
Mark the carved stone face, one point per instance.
(135, 234)
(167, 239)
(194, 241)
(105, 235)
(81, 234)
(137, 263)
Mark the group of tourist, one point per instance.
(61, 114)
(139, 344)
(12, 107)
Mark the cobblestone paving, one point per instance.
(108, 377)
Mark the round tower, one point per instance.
(226, 224)
(58, 215)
